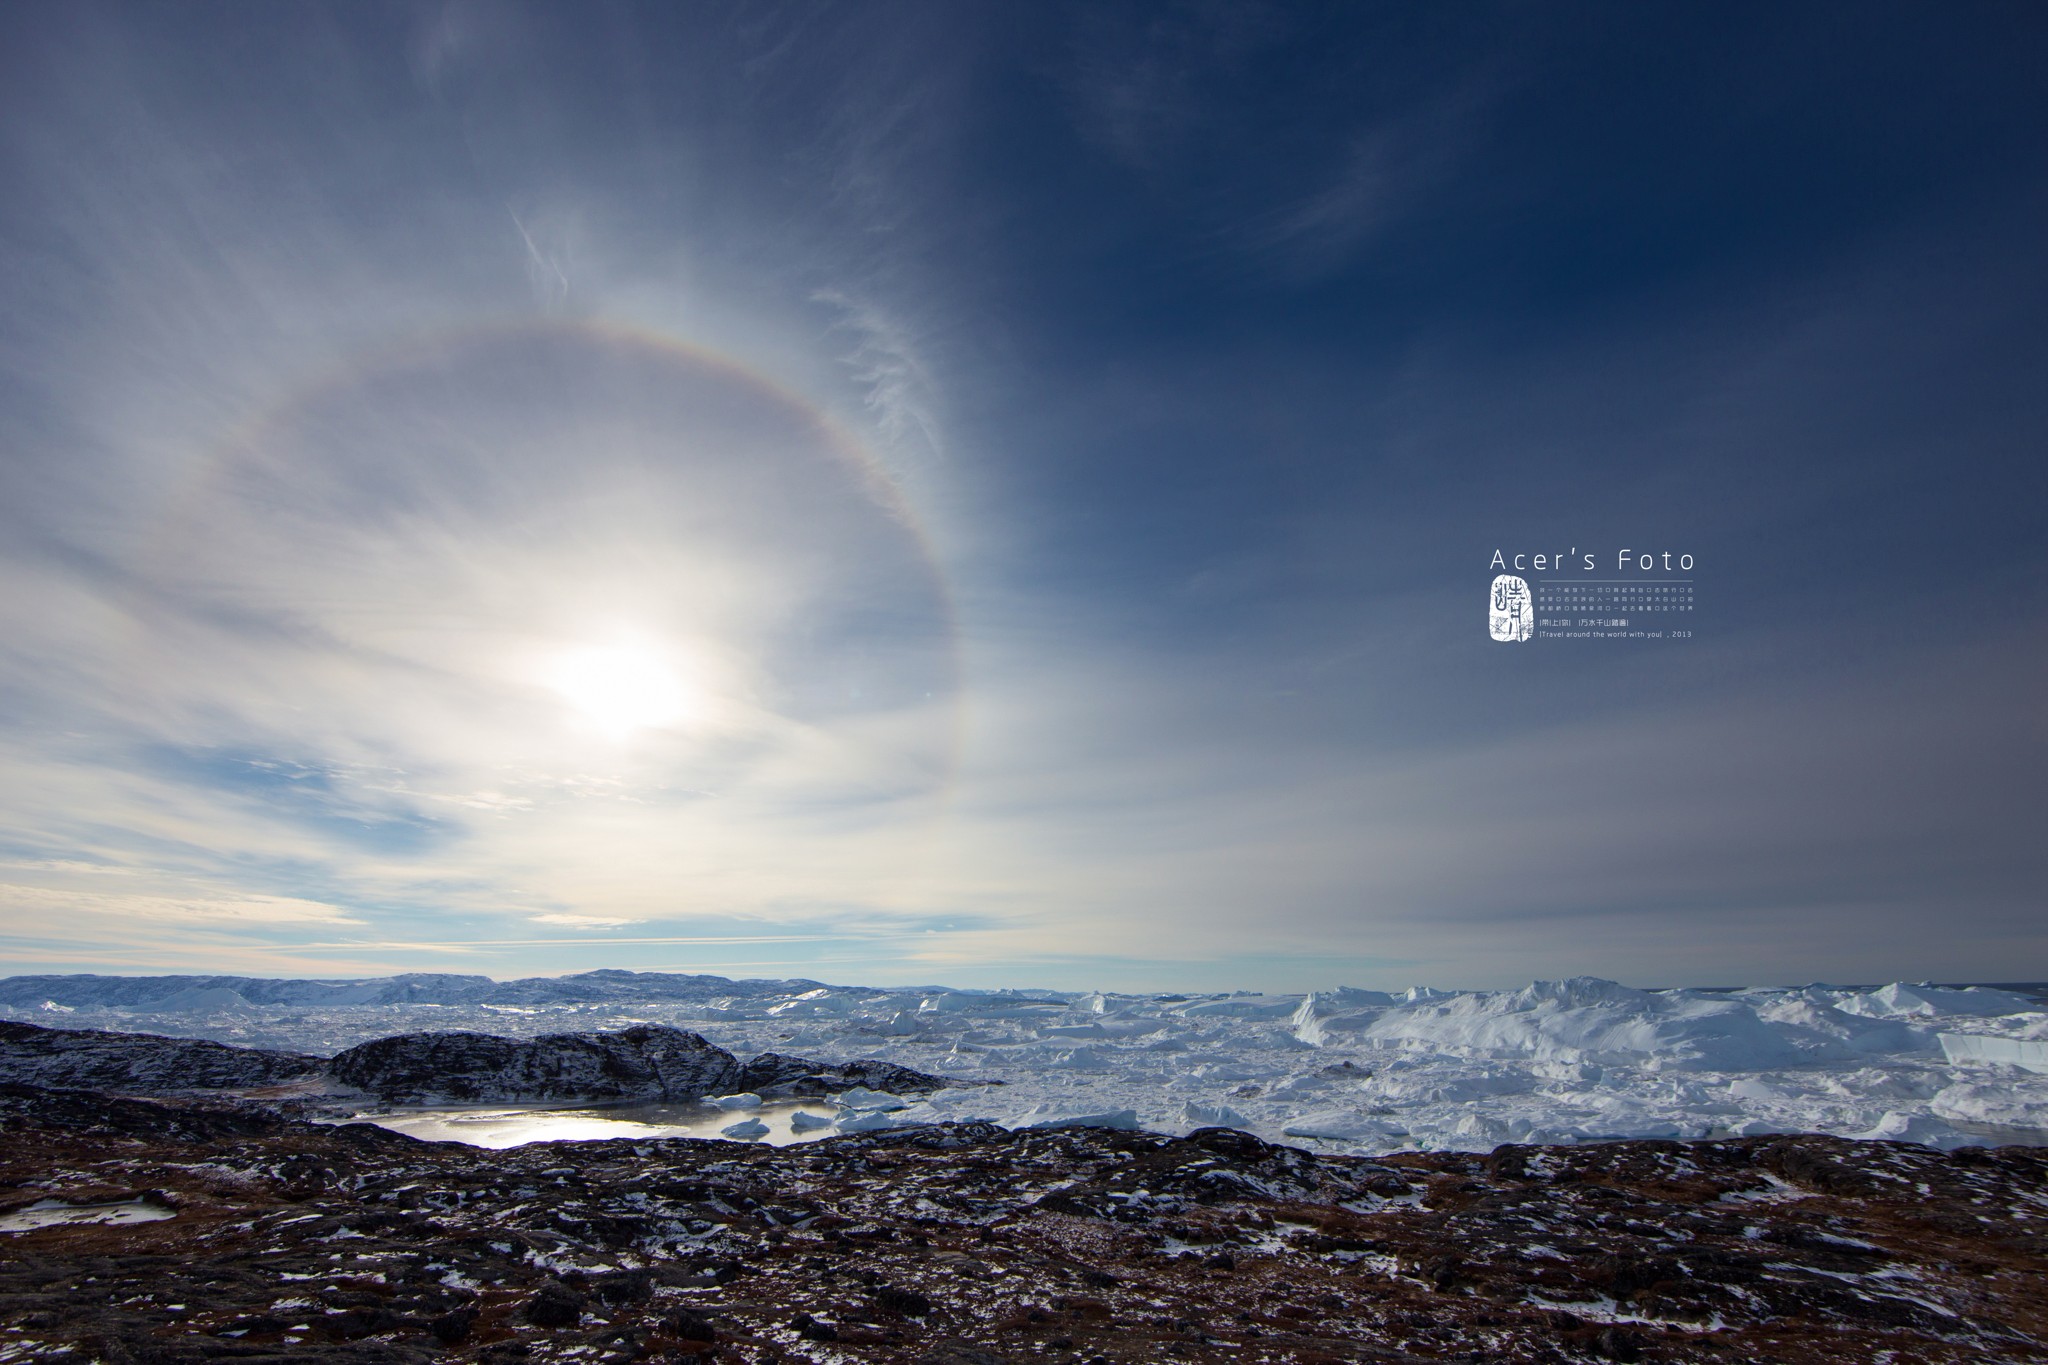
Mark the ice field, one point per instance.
(1344, 1070)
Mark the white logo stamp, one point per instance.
(1510, 611)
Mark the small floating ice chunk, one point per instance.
(1212, 1116)
(745, 1128)
(1295, 1087)
(745, 1100)
(1116, 1118)
(1343, 1125)
(1754, 1128)
(804, 1121)
(1925, 1129)
(860, 1097)
(1757, 1091)
(866, 1121)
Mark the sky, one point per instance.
(1011, 495)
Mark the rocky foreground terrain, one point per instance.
(274, 1240)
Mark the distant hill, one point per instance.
(182, 993)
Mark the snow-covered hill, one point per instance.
(204, 994)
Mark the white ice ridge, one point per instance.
(1336, 1070)
(2027, 1054)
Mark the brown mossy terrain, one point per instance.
(968, 1244)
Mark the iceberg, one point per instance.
(1345, 1125)
(1243, 1007)
(1115, 1118)
(1212, 1116)
(1811, 1022)
(1898, 1001)
(746, 1099)
(1980, 1049)
(1997, 1106)
(1584, 1019)
(1925, 1129)
(877, 1101)
(821, 1003)
(200, 1000)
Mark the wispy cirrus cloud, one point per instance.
(31, 906)
(1197, 358)
(568, 921)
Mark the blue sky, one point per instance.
(1005, 495)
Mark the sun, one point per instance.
(620, 689)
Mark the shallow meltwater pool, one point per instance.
(50, 1213)
(505, 1125)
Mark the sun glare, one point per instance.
(623, 688)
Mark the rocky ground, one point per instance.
(969, 1244)
(98, 1060)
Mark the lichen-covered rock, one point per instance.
(646, 1063)
(139, 1063)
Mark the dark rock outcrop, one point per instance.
(772, 1073)
(140, 1063)
(25, 1107)
(647, 1063)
